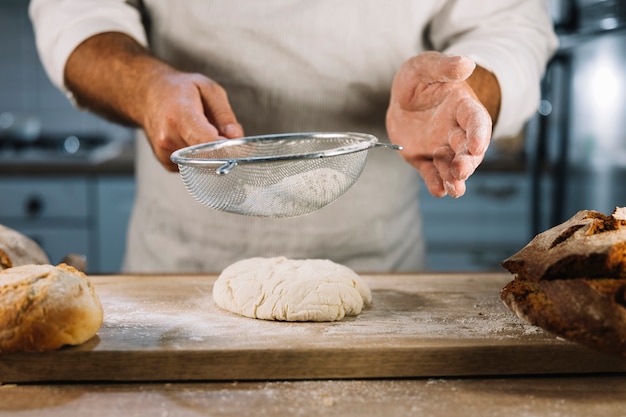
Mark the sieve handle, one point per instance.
(388, 145)
(226, 168)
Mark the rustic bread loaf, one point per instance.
(571, 280)
(16, 249)
(44, 307)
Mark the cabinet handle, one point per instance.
(34, 206)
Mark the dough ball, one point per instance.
(17, 249)
(291, 290)
(44, 307)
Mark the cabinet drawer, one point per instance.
(495, 210)
(486, 193)
(25, 198)
(115, 202)
(470, 228)
(477, 259)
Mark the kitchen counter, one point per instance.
(118, 159)
(123, 159)
(430, 344)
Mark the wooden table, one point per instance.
(583, 396)
(431, 344)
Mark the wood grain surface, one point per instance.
(167, 328)
(554, 396)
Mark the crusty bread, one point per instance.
(571, 280)
(17, 249)
(44, 307)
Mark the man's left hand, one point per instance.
(436, 116)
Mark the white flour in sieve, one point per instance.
(299, 193)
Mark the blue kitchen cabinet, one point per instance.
(55, 212)
(115, 196)
(81, 214)
(491, 222)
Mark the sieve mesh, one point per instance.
(274, 175)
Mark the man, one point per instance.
(437, 77)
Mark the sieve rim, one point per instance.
(183, 156)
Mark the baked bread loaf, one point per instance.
(571, 280)
(44, 307)
(17, 249)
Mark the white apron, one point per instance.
(288, 66)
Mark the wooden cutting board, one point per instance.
(167, 328)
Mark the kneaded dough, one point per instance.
(291, 290)
(44, 307)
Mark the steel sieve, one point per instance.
(282, 175)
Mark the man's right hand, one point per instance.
(186, 109)
(112, 75)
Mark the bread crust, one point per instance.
(571, 281)
(17, 249)
(45, 307)
(589, 244)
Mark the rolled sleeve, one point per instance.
(61, 25)
(514, 39)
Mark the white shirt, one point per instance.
(302, 65)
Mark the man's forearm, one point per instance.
(110, 74)
(487, 89)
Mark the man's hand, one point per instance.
(185, 109)
(114, 76)
(436, 115)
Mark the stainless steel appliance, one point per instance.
(580, 128)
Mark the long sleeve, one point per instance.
(512, 38)
(61, 25)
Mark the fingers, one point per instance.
(475, 121)
(431, 177)
(435, 172)
(218, 110)
(207, 114)
(464, 165)
(453, 166)
(464, 162)
(447, 171)
(443, 160)
(188, 109)
(423, 81)
(163, 146)
(183, 124)
(435, 67)
(470, 139)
